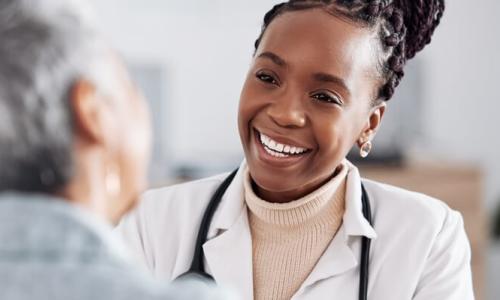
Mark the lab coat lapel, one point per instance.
(344, 251)
(229, 257)
(354, 221)
(228, 251)
(337, 259)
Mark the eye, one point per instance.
(267, 78)
(327, 97)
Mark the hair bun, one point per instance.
(421, 17)
(374, 8)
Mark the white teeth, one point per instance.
(273, 153)
(279, 150)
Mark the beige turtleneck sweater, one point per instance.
(289, 238)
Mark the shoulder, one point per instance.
(187, 197)
(166, 217)
(421, 239)
(192, 187)
(120, 283)
(412, 212)
(132, 284)
(98, 280)
(178, 206)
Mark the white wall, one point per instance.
(206, 48)
(463, 99)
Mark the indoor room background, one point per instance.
(440, 136)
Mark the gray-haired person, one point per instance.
(74, 149)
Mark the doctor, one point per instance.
(297, 221)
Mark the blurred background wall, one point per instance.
(191, 57)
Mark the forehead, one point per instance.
(318, 41)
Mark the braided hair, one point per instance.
(404, 26)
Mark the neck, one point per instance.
(79, 195)
(292, 195)
(86, 188)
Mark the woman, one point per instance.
(295, 218)
(74, 149)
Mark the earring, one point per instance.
(365, 149)
(113, 182)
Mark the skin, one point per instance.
(311, 84)
(112, 135)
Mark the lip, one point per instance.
(269, 159)
(283, 140)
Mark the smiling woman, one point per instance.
(291, 222)
(296, 95)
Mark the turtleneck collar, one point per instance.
(301, 210)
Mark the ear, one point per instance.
(372, 124)
(89, 112)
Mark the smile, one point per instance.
(277, 149)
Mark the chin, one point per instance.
(274, 183)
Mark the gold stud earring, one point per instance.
(365, 149)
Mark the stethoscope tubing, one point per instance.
(197, 268)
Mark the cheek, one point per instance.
(334, 136)
(248, 106)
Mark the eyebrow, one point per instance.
(274, 58)
(328, 78)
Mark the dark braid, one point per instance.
(421, 19)
(395, 41)
(405, 27)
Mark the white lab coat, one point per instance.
(419, 247)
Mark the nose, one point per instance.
(287, 111)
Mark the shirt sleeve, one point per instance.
(447, 270)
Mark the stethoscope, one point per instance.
(197, 269)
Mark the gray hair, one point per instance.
(45, 46)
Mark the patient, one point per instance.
(74, 148)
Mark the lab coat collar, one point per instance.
(230, 242)
(337, 259)
(354, 222)
(231, 206)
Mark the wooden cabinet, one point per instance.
(460, 187)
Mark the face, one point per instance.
(130, 145)
(306, 101)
